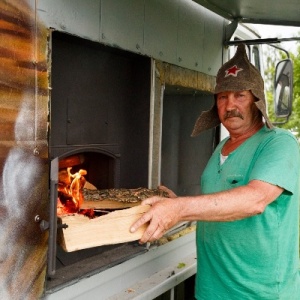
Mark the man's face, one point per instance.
(237, 111)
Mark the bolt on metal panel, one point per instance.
(77, 17)
(122, 24)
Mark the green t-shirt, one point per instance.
(257, 257)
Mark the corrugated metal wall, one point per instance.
(180, 32)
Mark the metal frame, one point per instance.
(145, 276)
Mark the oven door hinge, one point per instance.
(52, 225)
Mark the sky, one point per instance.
(269, 31)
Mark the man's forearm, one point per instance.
(234, 204)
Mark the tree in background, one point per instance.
(273, 55)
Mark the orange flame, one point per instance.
(70, 191)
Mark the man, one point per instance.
(247, 229)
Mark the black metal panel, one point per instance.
(101, 96)
(183, 157)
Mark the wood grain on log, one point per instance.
(112, 228)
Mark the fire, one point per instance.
(70, 190)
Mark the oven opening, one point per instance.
(92, 170)
(78, 174)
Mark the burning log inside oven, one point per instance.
(69, 189)
(97, 217)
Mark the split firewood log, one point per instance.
(117, 214)
(113, 228)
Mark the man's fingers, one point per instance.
(162, 215)
(152, 233)
(145, 218)
(152, 200)
(170, 192)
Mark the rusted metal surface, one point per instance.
(23, 150)
(181, 77)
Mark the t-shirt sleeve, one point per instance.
(277, 161)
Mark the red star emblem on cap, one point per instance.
(233, 71)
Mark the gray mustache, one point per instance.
(233, 113)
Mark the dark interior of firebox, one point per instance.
(100, 110)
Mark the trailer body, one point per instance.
(169, 53)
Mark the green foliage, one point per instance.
(272, 56)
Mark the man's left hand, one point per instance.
(163, 214)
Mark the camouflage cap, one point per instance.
(238, 74)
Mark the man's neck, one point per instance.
(236, 136)
(236, 139)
